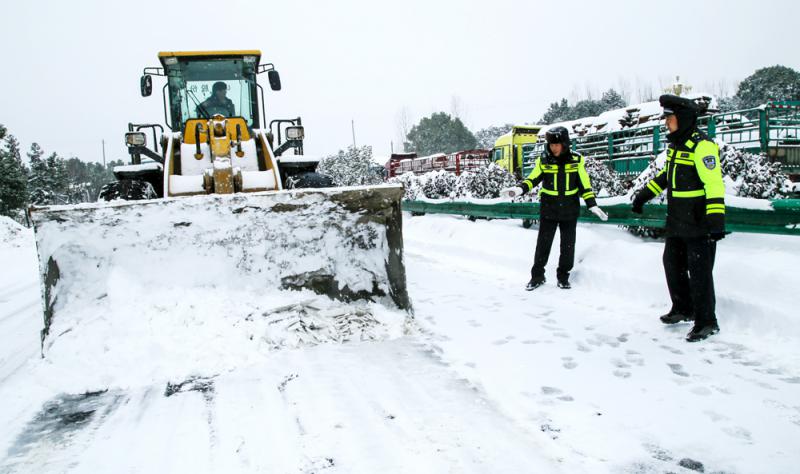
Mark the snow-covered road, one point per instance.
(495, 379)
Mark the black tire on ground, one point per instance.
(127, 190)
(309, 180)
(527, 223)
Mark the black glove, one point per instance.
(637, 205)
(715, 236)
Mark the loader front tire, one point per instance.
(127, 190)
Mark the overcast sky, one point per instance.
(70, 75)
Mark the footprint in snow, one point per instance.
(672, 349)
(569, 363)
(739, 433)
(623, 337)
(634, 357)
(618, 363)
(702, 391)
(677, 369)
(474, 323)
(600, 339)
(551, 390)
(658, 452)
(582, 347)
(561, 334)
(506, 340)
(794, 380)
(623, 374)
(715, 417)
(530, 341)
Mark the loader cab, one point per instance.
(191, 91)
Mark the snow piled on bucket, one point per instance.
(199, 284)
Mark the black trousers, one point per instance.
(688, 266)
(566, 259)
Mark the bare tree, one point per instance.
(624, 89)
(403, 125)
(644, 91)
(456, 108)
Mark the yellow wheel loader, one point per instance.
(220, 192)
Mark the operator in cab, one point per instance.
(217, 103)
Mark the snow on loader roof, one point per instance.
(345, 243)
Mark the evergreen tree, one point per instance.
(611, 100)
(440, 133)
(487, 136)
(769, 83)
(47, 180)
(13, 195)
(557, 112)
(586, 108)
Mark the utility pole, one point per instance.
(353, 127)
(391, 146)
(104, 153)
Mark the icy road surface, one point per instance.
(495, 379)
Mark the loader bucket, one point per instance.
(345, 243)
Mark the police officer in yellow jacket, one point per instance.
(692, 179)
(564, 179)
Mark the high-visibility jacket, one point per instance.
(692, 179)
(564, 179)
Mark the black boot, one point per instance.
(698, 334)
(535, 283)
(674, 317)
(564, 284)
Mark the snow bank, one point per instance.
(12, 234)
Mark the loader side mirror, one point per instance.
(274, 80)
(146, 85)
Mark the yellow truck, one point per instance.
(513, 148)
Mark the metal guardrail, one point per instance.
(783, 218)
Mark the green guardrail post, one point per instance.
(656, 140)
(712, 127)
(763, 129)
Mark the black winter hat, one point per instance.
(558, 135)
(219, 86)
(673, 104)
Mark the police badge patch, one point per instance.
(710, 161)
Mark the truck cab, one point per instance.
(515, 148)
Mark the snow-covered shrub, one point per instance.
(352, 167)
(484, 183)
(751, 175)
(439, 184)
(411, 184)
(605, 182)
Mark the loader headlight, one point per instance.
(294, 133)
(135, 139)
